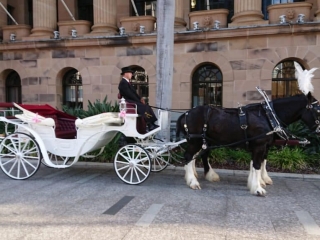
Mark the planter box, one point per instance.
(290, 10)
(20, 31)
(82, 27)
(207, 18)
(132, 24)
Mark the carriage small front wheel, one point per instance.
(132, 164)
(20, 156)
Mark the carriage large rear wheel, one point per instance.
(20, 156)
(132, 164)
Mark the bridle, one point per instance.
(315, 110)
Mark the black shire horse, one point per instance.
(223, 126)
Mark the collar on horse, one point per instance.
(315, 109)
(204, 129)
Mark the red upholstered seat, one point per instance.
(141, 123)
(65, 123)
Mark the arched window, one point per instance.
(13, 88)
(284, 82)
(207, 85)
(72, 89)
(140, 81)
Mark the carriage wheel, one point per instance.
(20, 156)
(132, 164)
(59, 160)
(159, 161)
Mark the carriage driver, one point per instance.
(128, 92)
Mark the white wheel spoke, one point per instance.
(9, 161)
(124, 176)
(27, 162)
(124, 167)
(24, 167)
(131, 174)
(142, 172)
(137, 175)
(13, 165)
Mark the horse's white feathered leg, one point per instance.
(211, 175)
(194, 168)
(264, 174)
(256, 188)
(190, 178)
(250, 175)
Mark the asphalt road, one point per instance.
(90, 202)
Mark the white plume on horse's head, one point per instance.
(304, 78)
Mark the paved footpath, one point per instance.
(90, 202)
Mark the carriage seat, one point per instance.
(141, 125)
(109, 118)
(46, 115)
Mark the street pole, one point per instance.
(165, 44)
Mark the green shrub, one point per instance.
(240, 157)
(300, 130)
(219, 155)
(287, 158)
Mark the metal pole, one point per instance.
(134, 7)
(164, 68)
(66, 7)
(8, 14)
(208, 5)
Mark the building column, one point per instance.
(317, 13)
(247, 12)
(179, 22)
(105, 17)
(44, 18)
(3, 16)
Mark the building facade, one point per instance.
(68, 52)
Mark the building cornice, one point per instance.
(182, 36)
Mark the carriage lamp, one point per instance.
(196, 26)
(216, 24)
(300, 18)
(142, 28)
(283, 19)
(123, 104)
(122, 31)
(74, 33)
(56, 34)
(12, 37)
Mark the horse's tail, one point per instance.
(178, 126)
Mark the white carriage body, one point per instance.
(39, 139)
(92, 133)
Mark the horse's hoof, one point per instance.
(261, 193)
(269, 182)
(195, 186)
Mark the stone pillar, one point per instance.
(317, 13)
(105, 17)
(179, 23)
(247, 12)
(3, 14)
(44, 18)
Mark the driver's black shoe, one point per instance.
(152, 126)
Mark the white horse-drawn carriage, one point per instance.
(39, 137)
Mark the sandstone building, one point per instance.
(223, 50)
